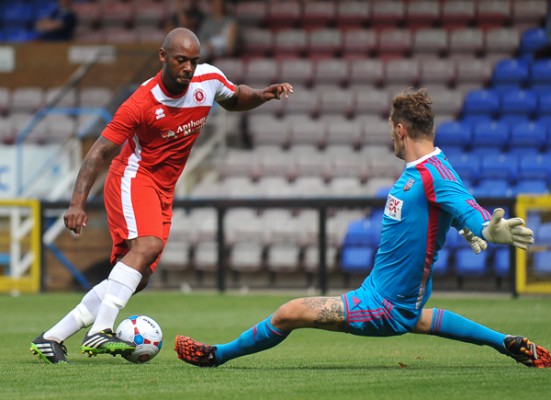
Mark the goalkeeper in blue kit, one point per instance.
(425, 202)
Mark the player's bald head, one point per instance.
(180, 37)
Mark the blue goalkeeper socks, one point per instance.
(452, 326)
(260, 337)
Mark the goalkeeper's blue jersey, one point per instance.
(427, 199)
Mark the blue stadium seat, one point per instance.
(357, 259)
(442, 265)
(454, 133)
(452, 151)
(531, 186)
(531, 134)
(513, 119)
(543, 234)
(499, 166)
(18, 35)
(535, 167)
(454, 240)
(533, 220)
(510, 73)
(359, 246)
(475, 118)
(523, 152)
(540, 76)
(494, 134)
(482, 152)
(492, 188)
(376, 217)
(546, 119)
(544, 104)
(532, 40)
(467, 166)
(481, 102)
(518, 102)
(468, 183)
(19, 15)
(542, 266)
(383, 192)
(502, 261)
(467, 263)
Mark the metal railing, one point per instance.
(321, 205)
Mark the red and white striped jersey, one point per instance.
(160, 129)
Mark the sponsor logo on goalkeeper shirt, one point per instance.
(393, 207)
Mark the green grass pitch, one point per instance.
(310, 364)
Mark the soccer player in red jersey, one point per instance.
(156, 128)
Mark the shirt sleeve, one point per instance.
(124, 122)
(223, 88)
(453, 197)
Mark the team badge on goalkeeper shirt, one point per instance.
(409, 184)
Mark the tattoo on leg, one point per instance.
(329, 312)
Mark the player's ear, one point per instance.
(162, 55)
(402, 131)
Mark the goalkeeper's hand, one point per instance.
(477, 244)
(508, 231)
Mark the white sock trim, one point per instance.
(126, 276)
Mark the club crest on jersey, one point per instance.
(393, 207)
(409, 184)
(199, 96)
(169, 135)
(159, 113)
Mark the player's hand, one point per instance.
(476, 243)
(275, 91)
(75, 219)
(508, 231)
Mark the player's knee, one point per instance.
(149, 249)
(424, 323)
(287, 316)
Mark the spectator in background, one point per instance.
(545, 51)
(59, 23)
(218, 32)
(188, 15)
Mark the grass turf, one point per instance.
(310, 364)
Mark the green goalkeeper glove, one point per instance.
(477, 244)
(508, 231)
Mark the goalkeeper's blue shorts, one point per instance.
(367, 313)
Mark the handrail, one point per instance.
(73, 80)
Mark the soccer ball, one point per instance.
(145, 333)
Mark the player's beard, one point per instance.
(176, 86)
